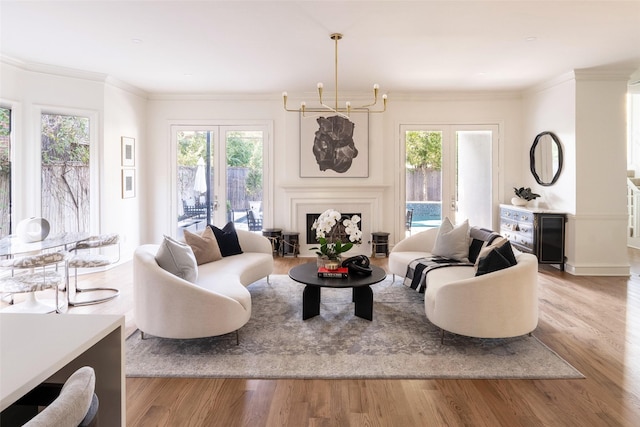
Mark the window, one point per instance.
(449, 171)
(65, 172)
(5, 172)
(220, 176)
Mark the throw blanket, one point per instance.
(416, 277)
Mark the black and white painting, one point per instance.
(334, 146)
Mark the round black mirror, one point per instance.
(546, 158)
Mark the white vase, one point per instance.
(517, 201)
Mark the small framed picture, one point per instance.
(128, 151)
(128, 183)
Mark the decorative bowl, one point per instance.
(332, 265)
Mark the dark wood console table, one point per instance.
(537, 231)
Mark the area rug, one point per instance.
(398, 343)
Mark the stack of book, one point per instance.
(339, 273)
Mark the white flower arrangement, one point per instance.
(330, 226)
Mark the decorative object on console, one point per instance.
(33, 229)
(332, 228)
(523, 196)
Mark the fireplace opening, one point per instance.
(311, 234)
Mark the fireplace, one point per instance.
(311, 234)
(309, 200)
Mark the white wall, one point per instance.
(587, 113)
(551, 107)
(113, 111)
(124, 115)
(384, 146)
(588, 116)
(600, 223)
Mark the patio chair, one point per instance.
(408, 221)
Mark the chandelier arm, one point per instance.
(336, 110)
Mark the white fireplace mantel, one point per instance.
(303, 200)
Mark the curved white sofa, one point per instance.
(218, 303)
(500, 304)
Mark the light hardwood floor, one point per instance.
(592, 322)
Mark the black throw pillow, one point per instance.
(227, 239)
(507, 252)
(498, 259)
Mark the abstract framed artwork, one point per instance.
(128, 183)
(128, 151)
(334, 146)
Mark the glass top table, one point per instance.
(12, 245)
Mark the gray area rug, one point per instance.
(399, 343)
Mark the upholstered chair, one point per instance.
(33, 273)
(76, 405)
(87, 254)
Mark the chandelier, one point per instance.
(348, 108)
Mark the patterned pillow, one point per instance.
(178, 259)
(452, 242)
(205, 246)
(227, 239)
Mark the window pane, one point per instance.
(5, 172)
(65, 172)
(423, 179)
(474, 177)
(193, 186)
(244, 178)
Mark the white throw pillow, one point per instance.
(452, 242)
(178, 259)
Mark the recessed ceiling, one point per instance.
(270, 46)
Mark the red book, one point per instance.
(340, 273)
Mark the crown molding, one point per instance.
(604, 74)
(213, 97)
(558, 80)
(54, 70)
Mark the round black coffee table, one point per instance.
(362, 293)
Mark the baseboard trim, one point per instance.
(598, 270)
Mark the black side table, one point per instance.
(290, 246)
(380, 244)
(274, 235)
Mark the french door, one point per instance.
(450, 171)
(220, 176)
